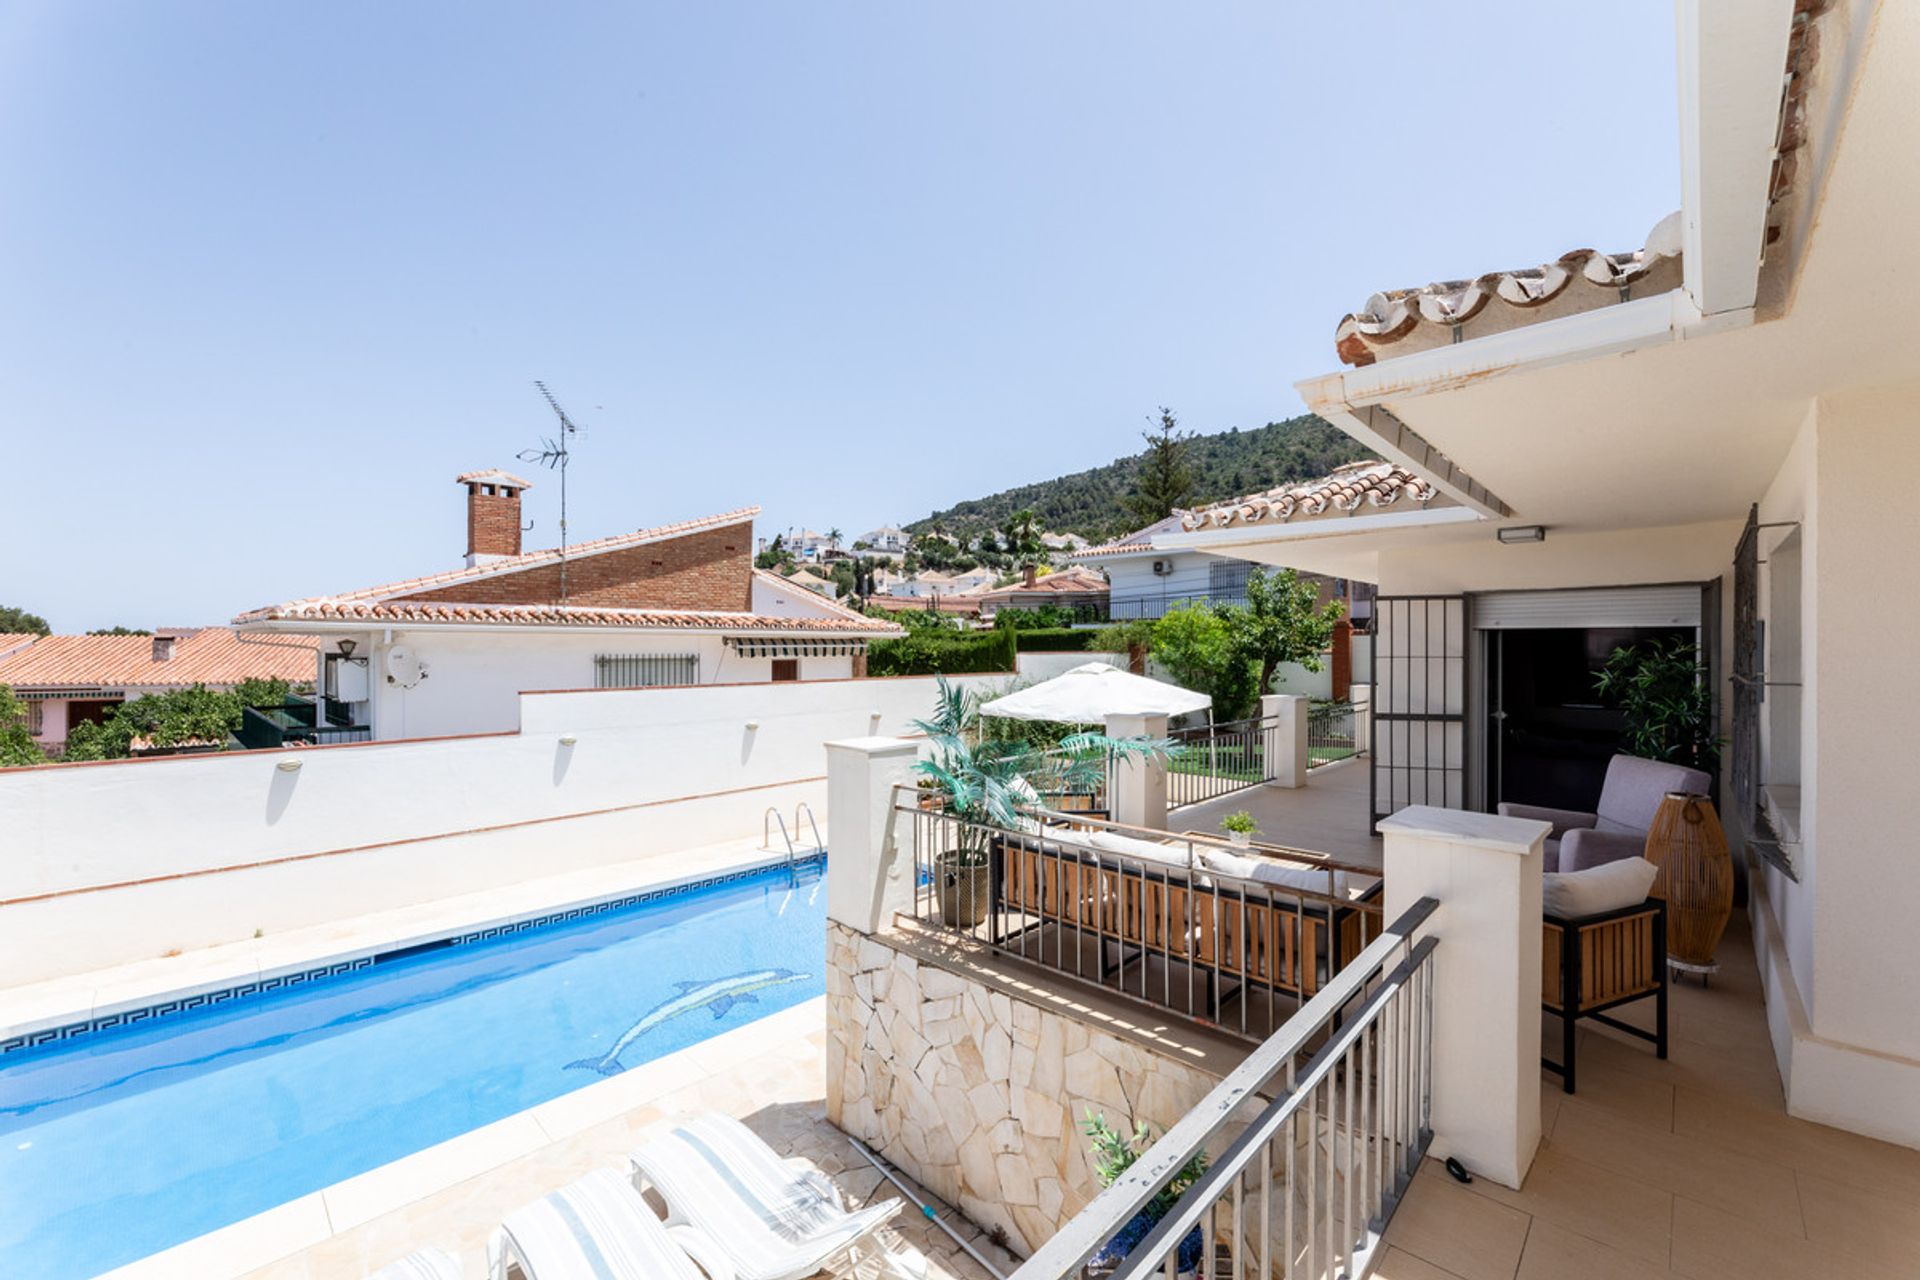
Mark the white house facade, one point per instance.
(679, 604)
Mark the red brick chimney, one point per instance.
(493, 514)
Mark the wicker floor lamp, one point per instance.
(1696, 879)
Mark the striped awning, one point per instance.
(82, 691)
(794, 647)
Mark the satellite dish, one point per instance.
(403, 666)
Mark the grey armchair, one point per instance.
(1618, 826)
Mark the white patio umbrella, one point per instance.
(1089, 694)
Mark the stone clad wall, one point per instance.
(980, 1095)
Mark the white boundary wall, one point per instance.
(102, 864)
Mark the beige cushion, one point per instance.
(1268, 871)
(1571, 895)
(1134, 847)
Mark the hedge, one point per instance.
(1059, 640)
(930, 653)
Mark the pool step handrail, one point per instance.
(803, 808)
(766, 840)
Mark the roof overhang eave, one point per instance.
(1219, 541)
(1357, 400)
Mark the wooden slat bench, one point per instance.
(1273, 937)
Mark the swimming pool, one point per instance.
(118, 1143)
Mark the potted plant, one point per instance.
(1240, 828)
(1113, 1154)
(992, 785)
(1663, 693)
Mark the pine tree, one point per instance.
(1166, 481)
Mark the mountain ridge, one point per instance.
(1224, 464)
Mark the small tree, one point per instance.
(1166, 480)
(1282, 621)
(14, 619)
(1023, 538)
(120, 631)
(1197, 647)
(17, 746)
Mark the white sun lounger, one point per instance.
(427, 1264)
(599, 1229)
(773, 1219)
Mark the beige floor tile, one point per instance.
(1550, 1096)
(1738, 1124)
(1398, 1264)
(1710, 1244)
(1685, 1165)
(1873, 1227)
(1631, 1095)
(1447, 1225)
(1628, 1215)
(1555, 1253)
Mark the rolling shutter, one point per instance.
(1667, 606)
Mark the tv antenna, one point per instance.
(553, 454)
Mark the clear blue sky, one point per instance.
(271, 274)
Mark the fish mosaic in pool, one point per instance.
(118, 1143)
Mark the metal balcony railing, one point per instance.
(1214, 760)
(1312, 1140)
(1185, 924)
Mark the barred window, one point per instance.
(644, 670)
(36, 717)
(1227, 579)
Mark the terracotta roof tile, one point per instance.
(1401, 321)
(507, 564)
(213, 655)
(11, 640)
(1373, 484)
(554, 615)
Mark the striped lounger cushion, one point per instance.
(771, 1219)
(428, 1264)
(597, 1228)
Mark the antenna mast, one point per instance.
(553, 454)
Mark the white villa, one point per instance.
(674, 961)
(1710, 433)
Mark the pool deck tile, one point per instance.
(770, 1073)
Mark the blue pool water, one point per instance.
(119, 1143)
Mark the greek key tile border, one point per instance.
(224, 995)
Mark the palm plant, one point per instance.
(997, 782)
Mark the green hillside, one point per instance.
(1224, 466)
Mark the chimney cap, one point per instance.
(493, 475)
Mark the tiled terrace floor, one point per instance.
(1328, 815)
(1689, 1168)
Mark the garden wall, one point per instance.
(979, 1094)
(126, 860)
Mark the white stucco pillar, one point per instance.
(1484, 871)
(1362, 699)
(869, 854)
(1139, 796)
(1287, 758)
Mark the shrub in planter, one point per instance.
(1113, 1154)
